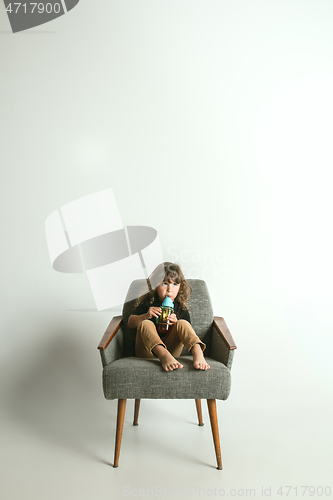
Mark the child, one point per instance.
(167, 280)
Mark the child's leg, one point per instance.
(148, 345)
(199, 361)
(182, 334)
(146, 339)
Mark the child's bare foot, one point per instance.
(168, 362)
(199, 361)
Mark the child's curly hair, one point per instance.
(168, 271)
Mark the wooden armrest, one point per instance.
(111, 331)
(223, 330)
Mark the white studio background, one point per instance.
(212, 122)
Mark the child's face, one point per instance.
(169, 289)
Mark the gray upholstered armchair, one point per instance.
(127, 377)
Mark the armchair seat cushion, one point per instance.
(144, 378)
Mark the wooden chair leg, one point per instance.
(215, 430)
(199, 412)
(119, 433)
(136, 411)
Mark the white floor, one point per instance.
(166, 451)
(58, 434)
(58, 430)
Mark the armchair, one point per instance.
(128, 377)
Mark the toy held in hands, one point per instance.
(167, 309)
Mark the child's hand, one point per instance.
(172, 319)
(154, 312)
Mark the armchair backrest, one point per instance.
(200, 307)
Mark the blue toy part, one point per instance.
(167, 302)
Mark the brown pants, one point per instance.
(182, 334)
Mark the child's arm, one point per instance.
(134, 320)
